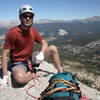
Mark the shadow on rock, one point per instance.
(1, 75)
(47, 73)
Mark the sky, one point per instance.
(51, 9)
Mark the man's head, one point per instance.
(26, 15)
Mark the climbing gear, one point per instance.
(26, 9)
(33, 71)
(61, 85)
(30, 66)
(83, 97)
(28, 89)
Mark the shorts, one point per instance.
(19, 64)
(24, 64)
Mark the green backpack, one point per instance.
(62, 86)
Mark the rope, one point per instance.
(32, 69)
(27, 90)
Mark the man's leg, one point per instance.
(20, 75)
(53, 52)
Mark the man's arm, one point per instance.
(44, 45)
(4, 81)
(5, 53)
(40, 56)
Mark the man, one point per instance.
(19, 44)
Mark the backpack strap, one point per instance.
(67, 82)
(57, 90)
(63, 81)
(49, 90)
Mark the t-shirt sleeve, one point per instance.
(38, 37)
(9, 43)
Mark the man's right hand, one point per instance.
(4, 82)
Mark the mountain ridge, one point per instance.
(56, 28)
(42, 21)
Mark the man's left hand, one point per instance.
(40, 56)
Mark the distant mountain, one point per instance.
(88, 26)
(89, 19)
(58, 28)
(4, 26)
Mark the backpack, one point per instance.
(62, 86)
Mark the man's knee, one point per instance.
(53, 49)
(19, 78)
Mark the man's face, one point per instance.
(27, 19)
